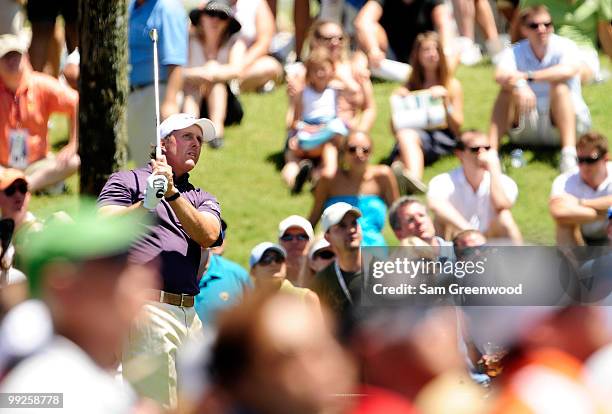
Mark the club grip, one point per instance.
(159, 193)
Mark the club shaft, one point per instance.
(156, 85)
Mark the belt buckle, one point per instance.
(182, 299)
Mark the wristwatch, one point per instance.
(529, 76)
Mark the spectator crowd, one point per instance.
(130, 306)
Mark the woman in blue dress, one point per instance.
(371, 188)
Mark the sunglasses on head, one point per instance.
(534, 26)
(217, 14)
(269, 258)
(323, 254)
(476, 149)
(291, 237)
(590, 160)
(20, 186)
(353, 149)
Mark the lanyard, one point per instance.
(342, 282)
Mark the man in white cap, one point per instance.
(269, 272)
(188, 220)
(339, 284)
(294, 235)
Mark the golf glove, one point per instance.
(157, 185)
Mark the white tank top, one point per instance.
(246, 14)
(318, 105)
(197, 56)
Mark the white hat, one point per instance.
(336, 212)
(316, 246)
(295, 221)
(180, 121)
(261, 248)
(11, 43)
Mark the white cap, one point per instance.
(11, 43)
(261, 248)
(179, 121)
(295, 221)
(336, 212)
(316, 246)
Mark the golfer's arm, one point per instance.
(113, 210)
(175, 84)
(201, 226)
(569, 213)
(446, 212)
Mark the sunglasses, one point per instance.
(475, 150)
(329, 39)
(590, 160)
(291, 237)
(353, 149)
(534, 26)
(21, 186)
(217, 14)
(270, 258)
(324, 254)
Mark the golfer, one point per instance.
(188, 219)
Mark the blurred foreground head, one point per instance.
(275, 354)
(79, 268)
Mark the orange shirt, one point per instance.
(37, 97)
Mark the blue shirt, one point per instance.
(223, 284)
(170, 20)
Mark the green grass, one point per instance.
(245, 179)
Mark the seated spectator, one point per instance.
(170, 20)
(15, 199)
(294, 235)
(215, 58)
(468, 13)
(339, 284)
(268, 263)
(27, 100)
(223, 283)
(420, 143)
(388, 28)
(476, 195)
(259, 70)
(584, 22)
(315, 124)
(370, 188)
(409, 217)
(579, 200)
(540, 100)
(320, 255)
(466, 240)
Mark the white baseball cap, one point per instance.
(259, 250)
(295, 221)
(180, 121)
(316, 246)
(11, 43)
(336, 212)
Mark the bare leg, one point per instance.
(217, 106)
(500, 119)
(272, 4)
(504, 226)
(191, 101)
(568, 235)
(42, 34)
(291, 168)
(485, 19)
(465, 11)
(301, 20)
(263, 69)
(563, 113)
(329, 160)
(411, 152)
(53, 173)
(72, 36)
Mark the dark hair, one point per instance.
(460, 142)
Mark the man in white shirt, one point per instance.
(579, 200)
(476, 195)
(540, 101)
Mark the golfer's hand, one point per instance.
(156, 183)
(161, 167)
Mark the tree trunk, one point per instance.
(103, 88)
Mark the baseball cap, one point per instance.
(259, 250)
(11, 43)
(336, 212)
(180, 121)
(295, 221)
(316, 246)
(8, 176)
(88, 236)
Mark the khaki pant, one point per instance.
(150, 357)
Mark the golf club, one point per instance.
(158, 153)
